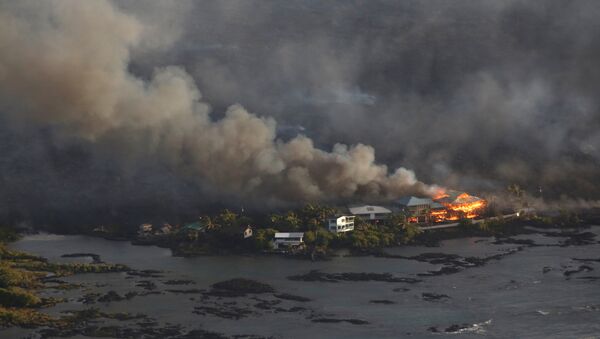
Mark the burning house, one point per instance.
(446, 206)
(421, 210)
(460, 205)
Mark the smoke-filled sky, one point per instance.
(128, 106)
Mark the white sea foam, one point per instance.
(477, 328)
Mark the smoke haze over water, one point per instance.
(118, 107)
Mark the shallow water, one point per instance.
(507, 298)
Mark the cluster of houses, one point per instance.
(417, 210)
(453, 205)
(343, 223)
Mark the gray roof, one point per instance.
(368, 209)
(413, 201)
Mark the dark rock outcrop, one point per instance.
(316, 275)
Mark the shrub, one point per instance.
(409, 232)
(465, 223)
(8, 234)
(261, 240)
(370, 237)
(23, 317)
(492, 225)
(17, 297)
(14, 277)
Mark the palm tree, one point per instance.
(210, 224)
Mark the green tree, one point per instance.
(8, 234)
(287, 222)
(567, 218)
(364, 239)
(261, 240)
(227, 218)
(360, 223)
(396, 220)
(317, 241)
(409, 232)
(210, 224)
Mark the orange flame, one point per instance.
(464, 206)
(439, 215)
(455, 207)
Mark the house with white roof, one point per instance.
(370, 213)
(284, 240)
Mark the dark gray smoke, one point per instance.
(471, 95)
(64, 74)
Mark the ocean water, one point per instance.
(523, 294)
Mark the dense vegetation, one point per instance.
(223, 232)
(8, 234)
(22, 275)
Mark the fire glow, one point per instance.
(456, 207)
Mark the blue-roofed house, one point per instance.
(193, 229)
(196, 226)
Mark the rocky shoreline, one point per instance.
(242, 298)
(230, 299)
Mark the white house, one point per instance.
(287, 240)
(370, 213)
(247, 232)
(341, 223)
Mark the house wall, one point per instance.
(341, 224)
(374, 216)
(287, 242)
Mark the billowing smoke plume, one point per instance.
(472, 95)
(64, 74)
